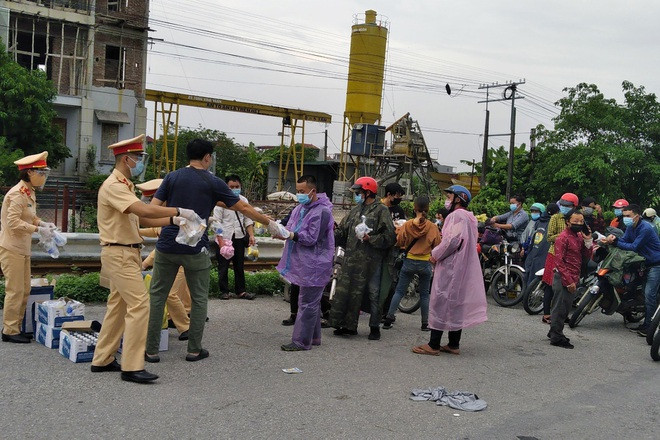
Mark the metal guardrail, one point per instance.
(84, 251)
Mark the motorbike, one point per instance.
(338, 260)
(533, 295)
(621, 294)
(503, 274)
(653, 335)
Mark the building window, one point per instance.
(109, 136)
(113, 5)
(60, 123)
(115, 64)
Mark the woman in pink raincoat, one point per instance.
(458, 297)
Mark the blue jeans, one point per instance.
(651, 292)
(409, 269)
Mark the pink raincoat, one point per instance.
(458, 297)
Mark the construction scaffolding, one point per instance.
(293, 121)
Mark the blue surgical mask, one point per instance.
(236, 191)
(358, 198)
(564, 209)
(513, 206)
(628, 221)
(618, 212)
(303, 199)
(139, 167)
(536, 216)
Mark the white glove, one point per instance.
(179, 220)
(274, 228)
(187, 213)
(48, 225)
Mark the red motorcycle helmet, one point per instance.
(367, 184)
(572, 198)
(621, 203)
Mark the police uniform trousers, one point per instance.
(16, 269)
(180, 288)
(127, 310)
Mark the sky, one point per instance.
(295, 54)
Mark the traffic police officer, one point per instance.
(119, 215)
(19, 221)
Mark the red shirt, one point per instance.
(569, 253)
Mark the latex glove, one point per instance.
(273, 228)
(187, 214)
(179, 220)
(48, 225)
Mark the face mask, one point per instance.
(536, 216)
(564, 209)
(628, 221)
(236, 191)
(396, 201)
(576, 228)
(447, 204)
(438, 222)
(618, 212)
(587, 211)
(139, 167)
(358, 198)
(513, 207)
(304, 199)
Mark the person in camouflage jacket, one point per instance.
(361, 269)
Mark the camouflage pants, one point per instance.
(349, 295)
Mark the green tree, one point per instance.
(601, 148)
(26, 116)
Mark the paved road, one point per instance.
(608, 387)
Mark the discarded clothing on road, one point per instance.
(457, 400)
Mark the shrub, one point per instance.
(83, 288)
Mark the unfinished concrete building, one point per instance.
(95, 52)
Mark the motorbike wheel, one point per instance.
(583, 307)
(533, 297)
(512, 294)
(411, 301)
(654, 327)
(655, 347)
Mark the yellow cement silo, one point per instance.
(365, 70)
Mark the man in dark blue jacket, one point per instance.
(640, 237)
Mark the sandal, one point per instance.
(546, 319)
(447, 349)
(425, 349)
(246, 295)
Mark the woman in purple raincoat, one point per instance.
(307, 260)
(458, 297)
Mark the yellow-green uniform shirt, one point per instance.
(556, 226)
(115, 226)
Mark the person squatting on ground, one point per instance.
(566, 204)
(573, 246)
(641, 237)
(458, 297)
(418, 236)
(361, 270)
(19, 221)
(176, 190)
(120, 214)
(240, 230)
(307, 260)
(176, 309)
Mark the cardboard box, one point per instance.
(37, 293)
(73, 345)
(56, 315)
(47, 335)
(162, 346)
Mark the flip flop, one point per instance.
(425, 349)
(446, 349)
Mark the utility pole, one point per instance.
(509, 94)
(484, 157)
(472, 175)
(532, 145)
(325, 147)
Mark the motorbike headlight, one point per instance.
(514, 247)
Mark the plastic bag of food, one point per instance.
(227, 249)
(51, 240)
(362, 229)
(191, 231)
(253, 253)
